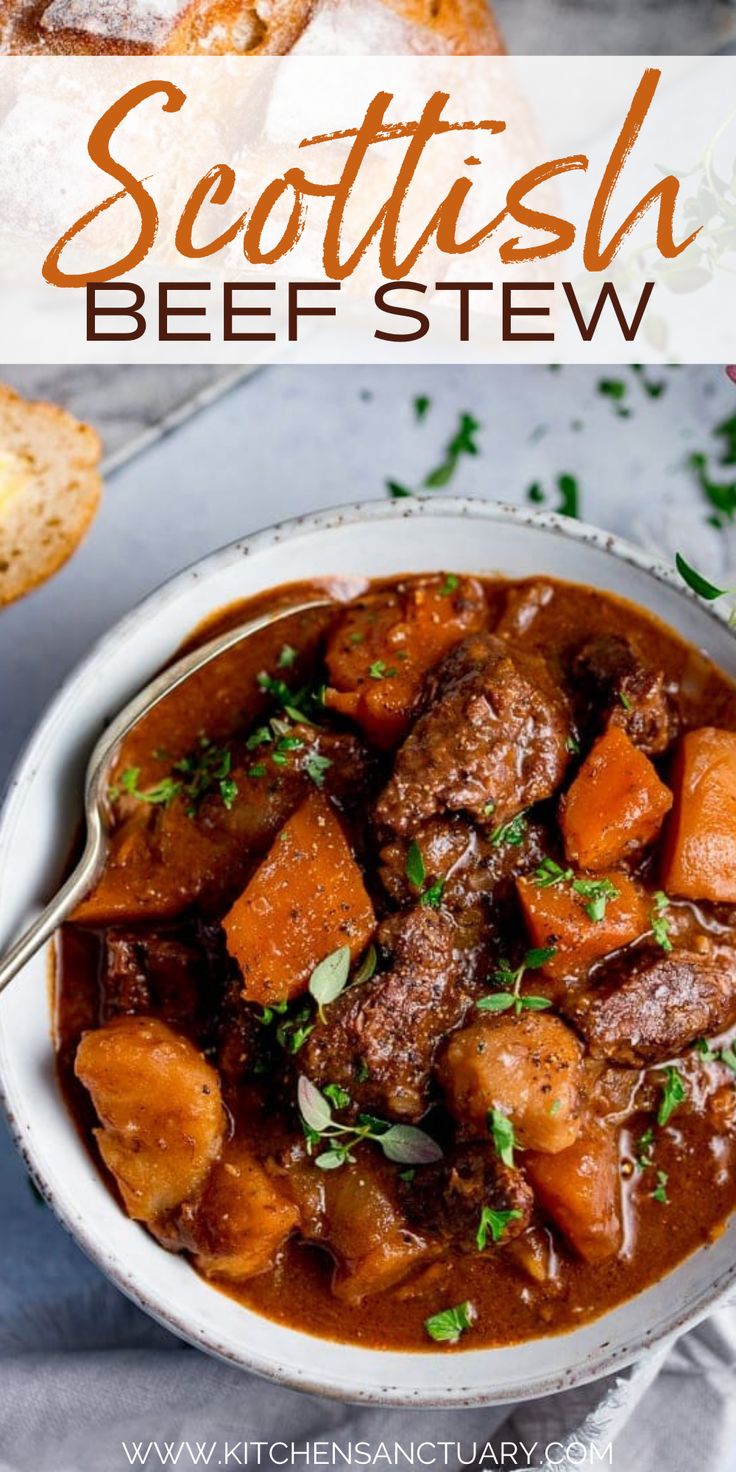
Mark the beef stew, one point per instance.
(405, 1005)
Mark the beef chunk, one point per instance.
(626, 692)
(523, 603)
(646, 1006)
(469, 863)
(492, 739)
(379, 1038)
(447, 1200)
(150, 972)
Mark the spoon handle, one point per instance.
(56, 911)
(81, 880)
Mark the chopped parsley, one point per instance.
(549, 872)
(462, 443)
(449, 586)
(509, 980)
(380, 671)
(494, 1222)
(697, 582)
(396, 489)
(660, 1191)
(422, 406)
(512, 832)
(447, 1326)
(415, 870)
(673, 1093)
(597, 892)
(337, 1095)
(660, 921)
(432, 897)
(416, 873)
(502, 1134)
(204, 771)
(315, 766)
(568, 491)
(645, 1149)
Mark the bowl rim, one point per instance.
(248, 1357)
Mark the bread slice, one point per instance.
(154, 27)
(49, 490)
(248, 27)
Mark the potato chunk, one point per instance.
(615, 806)
(700, 843)
(367, 1231)
(556, 916)
(159, 1105)
(580, 1190)
(241, 1219)
(529, 1067)
(306, 900)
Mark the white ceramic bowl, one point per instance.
(39, 819)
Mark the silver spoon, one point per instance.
(97, 780)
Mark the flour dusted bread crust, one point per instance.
(247, 27)
(49, 490)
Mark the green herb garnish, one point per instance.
(494, 1222)
(509, 980)
(315, 767)
(502, 1133)
(462, 443)
(660, 1191)
(512, 832)
(415, 870)
(598, 892)
(401, 1143)
(337, 1095)
(287, 657)
(367, 966)
(673, 1093)
(645, 1149)
(329, 978)
(422, 406)
(449, 586)
(697, 582)
(659, 919)
(447, 1326)
(380, 671)
(432, 897)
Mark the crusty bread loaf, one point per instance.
(246, 27)
(49, 490)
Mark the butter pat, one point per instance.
(14, 477)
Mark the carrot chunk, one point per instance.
(383, 647)
(580, 1190)
(700, 840)
(615, 806)
(582, 924)
(305, 900)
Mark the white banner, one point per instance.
(412, 209)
